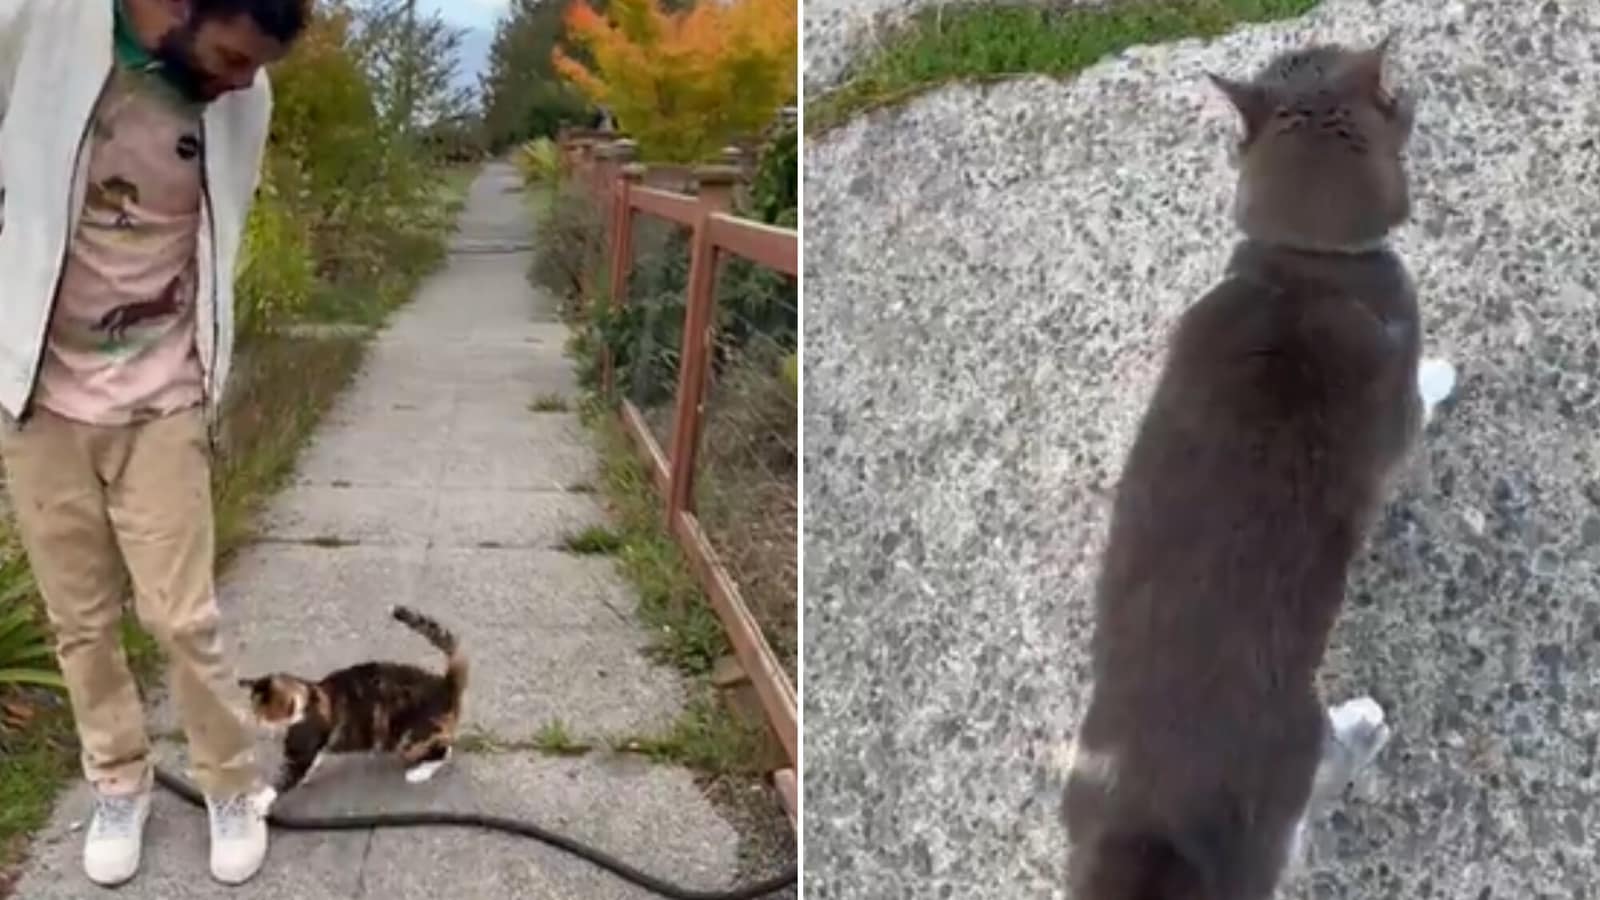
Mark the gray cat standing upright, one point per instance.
(1288, 401)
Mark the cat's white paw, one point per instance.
(1436, 381)
(421, 772)
(1358, 725)
(1060, 758)
(264, 799)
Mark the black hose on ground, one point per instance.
(599, 858)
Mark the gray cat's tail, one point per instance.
(442, 638)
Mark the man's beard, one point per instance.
(178, 63)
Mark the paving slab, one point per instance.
(469, 517)
(614, 803)
(394, 449)
(309, 513)
(551, 636)
(471, 366)
(401, 394)
(545, 452)
(991, 274)
(483, 518)
(654, 817)
(313, 866)
(589, 669)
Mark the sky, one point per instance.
(477, 15)
(471, 13)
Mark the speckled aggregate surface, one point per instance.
(990, 275)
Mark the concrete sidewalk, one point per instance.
(433, 484)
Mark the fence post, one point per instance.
(587, 150)
(715, 191)
(605, 171)
(631, 174)
(623, 153)
(605, 194)
(583, 170)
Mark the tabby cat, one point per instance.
(383, 706)
(1289, 399)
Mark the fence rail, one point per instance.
(621, 186)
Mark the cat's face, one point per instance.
(1321, 160)
(277, 701)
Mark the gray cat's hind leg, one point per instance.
(1436, 380)
(1356, 734)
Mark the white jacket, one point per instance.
(55, 59)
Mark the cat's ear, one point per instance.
(1365, 73)
(1252, 101)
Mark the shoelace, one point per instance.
(114, 817)
(232, 817)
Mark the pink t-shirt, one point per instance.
(121, 346)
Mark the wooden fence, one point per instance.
(624, 188)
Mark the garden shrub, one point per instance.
(753, 302)
(538, 161)
(349, 214)
(276, 272)
(569, 246)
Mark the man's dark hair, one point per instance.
(282, 20)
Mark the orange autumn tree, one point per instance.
(684, 84)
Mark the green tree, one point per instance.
(411, 60)
(523, 97)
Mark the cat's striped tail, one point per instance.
(441, 637)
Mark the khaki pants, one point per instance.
(98, 507)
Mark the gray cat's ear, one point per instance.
(1252, 101)
(1365, 72)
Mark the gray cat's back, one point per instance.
(1377, 279)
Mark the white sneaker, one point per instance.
(115, 841)
(239, 835)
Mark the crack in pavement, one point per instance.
(361, 871)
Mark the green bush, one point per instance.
(26, 654)
(350, 213)
(456, 142)
(550, 106)
(276, 272)
(753, 302)
(539, 161)
(569, 243)
(523, 98)
(644, 333)
(775, 190)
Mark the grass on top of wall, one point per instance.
(983, 43)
